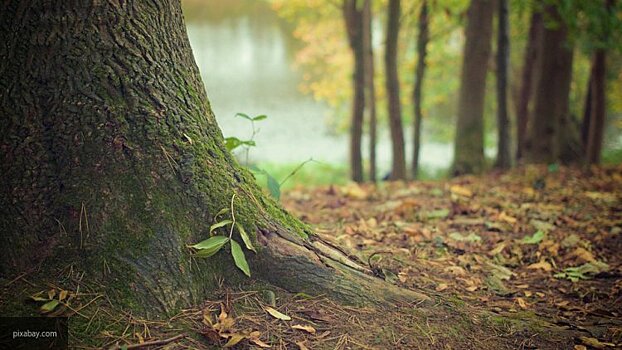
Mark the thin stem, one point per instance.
(232, 217)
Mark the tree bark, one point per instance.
(398, 169)
(469, 143)
(550, 133)
(354, 27)
(527, 82)
(422, 42)
(112, 163)
(370, 88)
(504, 159)
(597, 107)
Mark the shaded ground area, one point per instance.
(524, 260)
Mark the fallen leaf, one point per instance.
(497, 249)
(472, 237)
(301, 345)
(583, 255)
(522, 303)
(542, 265)
(507, 218)
(274, 313)
(595, 343)
(307, 329)
(456, 270)
(533, 239)
(441, 287)
(234, 339)
(461, 191)
(63, 294)
(49, 306)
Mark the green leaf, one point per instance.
(274, 187)
(245, 237)
(222, 211)
(534, 239)
(436, 214)
(50, 306)
(472, 237)
(219, 225)
(232, 143)
(211, 243)
(239, 258)
(260, 117)
(242, 115)
(276, 314)
(249, 143)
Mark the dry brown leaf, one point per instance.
(497, 249)
(253, 337)
(301, 345)
(595, 343)
(583, 255)
(456, 270)
(461, 191)
(234, 339)
(276, 314)
(307, 329)
(542, 265)
(441, 287)
(521, 302)
(507, 218)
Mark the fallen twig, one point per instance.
(149, 343)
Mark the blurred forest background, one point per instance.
(413, 88)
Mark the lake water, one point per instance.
(245, 54)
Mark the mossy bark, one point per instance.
(112, 162)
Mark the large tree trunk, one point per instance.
(370, 88)
(550, 129)
(598, 100)
(112, 163)
(353, 17)
(422, 42)
(469, 144)
(398, 169)
(527, 82)
(504, 160)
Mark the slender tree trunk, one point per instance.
(112, 163)
(550, 128)
(469, 144)
(354, 26)
(398, 169)
(422, 42)
(504, 159)
(598, 107)
(587, 110)
(527, 82)
(370, 88)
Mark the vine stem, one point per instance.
(232, 217)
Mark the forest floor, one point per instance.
(520, 260)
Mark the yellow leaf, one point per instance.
(307, 329)
(277, 314)
(461, 191)
(62, 295)
(595, 343)
(583, 255)
(301, 345)
(505, 217)
(254, 338)
(455, 270)
(497, 250)
(235, 338)
(51, 293)
(522, 303)
(441, 287)
(542, 265)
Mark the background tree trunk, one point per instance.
(550, 128)
(469, 144)
(527, 82)
(597, 107)
(422, 42)
(504, 159)
(370, 88)
(353, 16)
(112, 163)
(398, 169)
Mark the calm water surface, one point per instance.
(245, 55)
